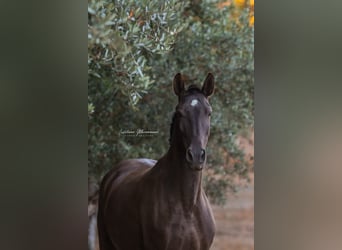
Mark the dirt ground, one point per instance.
(235, 221)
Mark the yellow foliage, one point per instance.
(251, 20)
(241, 4)
(251, 12)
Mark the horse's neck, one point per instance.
(181, 182)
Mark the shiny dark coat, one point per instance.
(160, 205)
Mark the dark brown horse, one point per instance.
(160, 205)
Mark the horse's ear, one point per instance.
(208, 85)
(178, 84)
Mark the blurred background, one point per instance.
(134, 50)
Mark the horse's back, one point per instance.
(118, 201)
(125, 171)
(124, 177)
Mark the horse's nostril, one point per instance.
(189, 155)
(202, 155)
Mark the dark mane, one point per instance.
(193, 89)
(171, 127)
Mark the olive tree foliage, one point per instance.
(122, 36)
(134, 50)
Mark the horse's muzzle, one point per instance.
(196, 167)
(195, 158)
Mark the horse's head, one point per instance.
(192, 119)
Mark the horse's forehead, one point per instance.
(196, 101)
(193, 103)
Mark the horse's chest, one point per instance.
(178, 231)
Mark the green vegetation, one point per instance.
(134, 50)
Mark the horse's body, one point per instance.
(160, 205)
